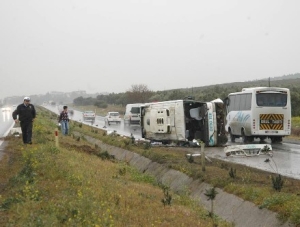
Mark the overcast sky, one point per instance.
(109, 45)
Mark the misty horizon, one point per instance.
(107, 46)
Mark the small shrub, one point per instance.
(277, 182)
(232, 173)
(122, 171)
(105, 155)
(8, 202)
(126, 142)
(146, 145)
(167, 196)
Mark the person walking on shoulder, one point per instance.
(64, 121)
(25, 114)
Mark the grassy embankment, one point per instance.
(250, 184)
(67, 186)
(78, 184)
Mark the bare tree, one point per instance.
(139, 93)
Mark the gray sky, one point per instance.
(109, 45)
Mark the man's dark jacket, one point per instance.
(26, 113)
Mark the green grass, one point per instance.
(70, 185)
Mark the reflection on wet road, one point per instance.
(285, 159)
(121, 129)
(6, 121)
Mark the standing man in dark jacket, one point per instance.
(27, 114)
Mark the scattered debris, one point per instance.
(248, 150)
(197, 155)
(112, 133)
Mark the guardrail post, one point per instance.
(56, 138)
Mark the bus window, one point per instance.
(260, 100)
(231, 102)
(248, 101)
(237, 102)
(271, 99)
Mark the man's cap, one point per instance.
(27, 98)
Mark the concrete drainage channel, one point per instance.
(227, 206)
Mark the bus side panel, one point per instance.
(238, 120)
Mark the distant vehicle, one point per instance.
(112, 117)
(5, 109)
(88, 115)
(259, 112)
(132, 114)
(71, 112)
(181, 122)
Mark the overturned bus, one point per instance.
(182, 121)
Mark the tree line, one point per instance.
(140, 93)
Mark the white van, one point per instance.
(132, 114)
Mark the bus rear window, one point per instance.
(271, 99)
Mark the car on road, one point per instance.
(89, 116)
(112, 117)
(132, 114)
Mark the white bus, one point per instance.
(181, 121)
(259, 112)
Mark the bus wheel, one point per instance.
(276, 139)
(232, 137)
(262, 138)
(250, 139)
(244, 137)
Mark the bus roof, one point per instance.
(264, 88)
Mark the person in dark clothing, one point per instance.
(25, 114)
(64, 121)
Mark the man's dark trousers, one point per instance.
(26, 128)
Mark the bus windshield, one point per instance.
(271, 99)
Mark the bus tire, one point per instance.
(232, 137)
(250, 139)
(244, 137)
(276, 139)
(262, 138)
